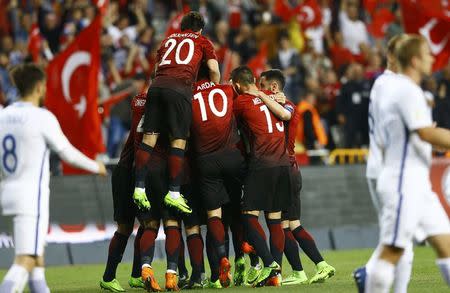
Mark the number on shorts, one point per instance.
(279, 125)
(9, 158)
(172, 43)
(212, 106)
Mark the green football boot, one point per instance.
(323, 271)
(112, 286)
(297, 277)
(136, 282)
(214, 285)
(252, 275)
(239, 271)
(179, 203)
(266, 274)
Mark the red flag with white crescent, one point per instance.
(308, 13)
(72, 91)
(431, 19)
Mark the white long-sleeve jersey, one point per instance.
(27, 133)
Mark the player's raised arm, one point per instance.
(214, 72)
(274, 81)
(59, 143)
(274, 107)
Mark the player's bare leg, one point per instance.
(195, 247)
(176, 161)
(173, 240)
(308, 245)
(441, 245)
(17, 276)
(216, 230)
(36, 281)
(381, 279)
(147, 251)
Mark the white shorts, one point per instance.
(413, 210)
(29, 234)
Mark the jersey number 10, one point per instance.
(212, 106)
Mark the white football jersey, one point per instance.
(27, 133)
(402, 110)
(378, 91)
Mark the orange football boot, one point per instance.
(247, 248)
(224, 272)
(172, 282)
(149, 280)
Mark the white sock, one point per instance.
(403, 270)
(444, 266)
(171, 272)
(15, 279)
(37, 281)
(381, 278)
(174, 194)
(373, 258)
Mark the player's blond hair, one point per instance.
(395, 42)
(408, 49)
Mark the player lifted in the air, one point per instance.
(27, 134)
(169, 111)
(405, 131)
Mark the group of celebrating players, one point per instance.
(201, 152)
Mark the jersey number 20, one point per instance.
(9, 158)
(172, 43)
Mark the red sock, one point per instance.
(141, 159)
(147, 245)
(291, 250)
(176, 160)
(217, 232)
(195, 247)
(136, 271)
(307, 243)
(276, 239)
(173, 244)
(115, 253)
(257, 238)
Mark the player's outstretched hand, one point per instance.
(140, 199)
(102, 169)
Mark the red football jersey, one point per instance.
(179, 59)
(291, 127)
(213, 124)
(263, 131)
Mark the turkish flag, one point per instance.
(381, 18)
(308, 13)
(72, 90)
(258, 63)
(430, 19)
(102, 5)
(174, 25)
(35, 42)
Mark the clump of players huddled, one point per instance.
(205, 153)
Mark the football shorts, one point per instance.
(122, 180)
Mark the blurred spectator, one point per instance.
(311, 133)
(374, 66)
(395, 27)
(51, 26)
(339, 54)
(353, 30)
(10, 93)
(244, 43)
(441, 112)
(352, 107)
(288, 60)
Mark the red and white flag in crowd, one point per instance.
(307, 13)
(431, 19)
(35, 42)
(102, 5)
(174, 24)
(72, 91)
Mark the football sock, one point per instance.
(136, 269)
(36, 282)
(176, 160)
(195, 247)
(115, 253)
(373, 258)
(172, 247)
(217, 234)
(212, 257)
(227, 243)
(257, 238)
(237, 232)
(147, 246)
(403, 270)
(15, 279)
(307, 243)
(276, 239)
(182, 270)
(444, 267)
(142, 157)
(380, 280)
(254, 259)
(291, 250)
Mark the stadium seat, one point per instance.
(350, 237)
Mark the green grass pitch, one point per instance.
(425, 278)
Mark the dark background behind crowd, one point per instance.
(331, 66)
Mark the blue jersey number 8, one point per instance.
(9, 153)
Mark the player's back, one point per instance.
(179, 59)
(264, 132)
(380, 90)
(24, 157)
(213, 124)
(401, 111)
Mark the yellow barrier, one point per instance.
(353, 155)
